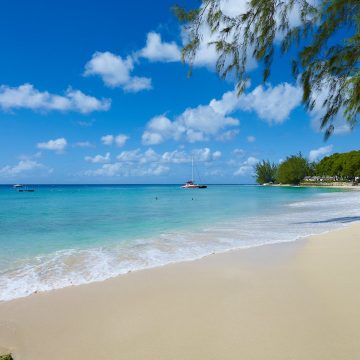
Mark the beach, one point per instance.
(295, 300)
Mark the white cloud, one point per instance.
(272, 104)
(26, 165)
(99, 159)
(149, 162)
(175, 157)
(37, 155)
(157, 50)
(216, 155)
(83, 144)
(107, 139)
(193, 125)
(150, 138)
(251, 139)
(239, 152)
(119, 140)
(86, 123)
(137, 84)
(57, 145)
(27, 97)
(316, 154)
(246, 167)
(233, 8)
(116, 72)
(227, 135)
(123, 169)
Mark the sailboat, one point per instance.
(190, 184)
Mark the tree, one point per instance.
(345, 165)
(293, 170)
(265, 172)
(327, 41)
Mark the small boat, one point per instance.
(23, 188)
(26, 190)
(190, 184)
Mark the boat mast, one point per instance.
(192, 169)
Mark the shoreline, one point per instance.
(319, 186)
(134, 316)
(184, 261)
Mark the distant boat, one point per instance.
(191, 184)
(23, 188)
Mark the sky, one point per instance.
(95, 92)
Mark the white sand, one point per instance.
(295, 301)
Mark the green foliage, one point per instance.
(345, 165)
(293, 170)
(327, 61)
(6, 357)
(265, 172)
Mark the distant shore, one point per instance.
(295, 300)
(321, 185)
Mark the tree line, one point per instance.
(337, 167)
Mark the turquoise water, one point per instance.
(63, 235)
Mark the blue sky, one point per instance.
(95, 92)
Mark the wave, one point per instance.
(291, 221)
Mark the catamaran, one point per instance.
(190, 184)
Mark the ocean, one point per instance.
(64, 235)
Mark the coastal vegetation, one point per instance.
(6, 357)
(325, 41)
(296, 168)
(293, 170)
(346, 165)
(265, 172)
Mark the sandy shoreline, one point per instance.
(328, 186)
(296, 300)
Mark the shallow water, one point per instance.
(63, 235)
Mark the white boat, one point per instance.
(23, 188)
(190, 184)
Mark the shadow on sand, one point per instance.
(345, 219)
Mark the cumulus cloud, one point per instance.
(247, 167)
(251, 139)
(116, 72)
(272, 104)
(193, 125)
(107, 139)
(27, 97)
(26, 165)
(157, 50)
(121, 169)
(141, 163)
(98, 159)
(316, 154)
(119, 140)
(57, 145)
